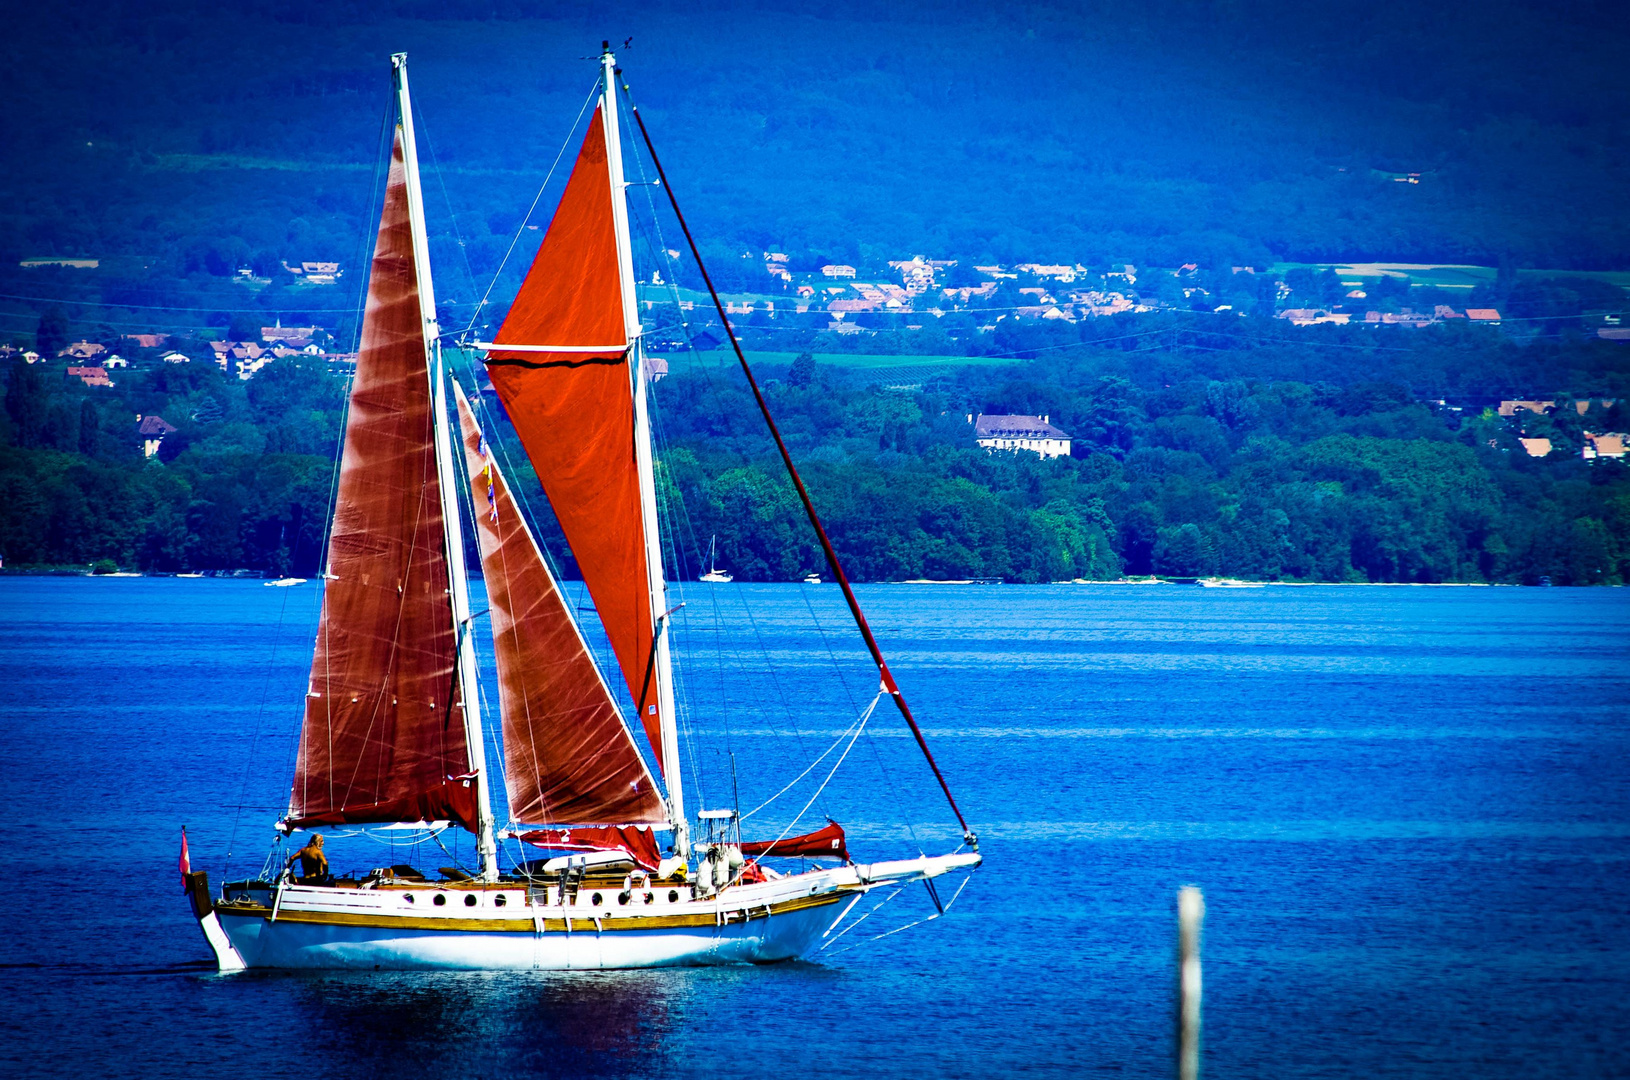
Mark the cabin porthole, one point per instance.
(500, 900)
(441, 899)
(469, 900)
(595, 899)
(673, 896)
(408, 897)
(622, 897)
(649, 897)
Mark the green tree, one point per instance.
(803, 370)
(90, 427)
(52, 335)
(245, 326)
(1183, 552)
(28, 402)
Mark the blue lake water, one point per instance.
(1409, 809)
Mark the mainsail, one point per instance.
(569, 393)
(384, 733)
(568, 759)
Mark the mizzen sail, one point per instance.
(384, 734)
(573, 408)
(568, 759)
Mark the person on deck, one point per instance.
(313, 863)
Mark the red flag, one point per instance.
(186, 861)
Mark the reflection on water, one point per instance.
(546, 1021)
(596, 1023)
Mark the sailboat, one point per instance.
(714, 575)
(392, 736)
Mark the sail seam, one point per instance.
(604, 361)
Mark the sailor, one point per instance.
(313, 863)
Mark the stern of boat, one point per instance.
(227, 957)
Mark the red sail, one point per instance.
(568, 759)
(574, 411)
(827, 843)
(383, 738)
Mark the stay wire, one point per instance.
(452, 215)
(375, 197)
(886, 677)
(683, 514)
(942, 910)
(793, 721)
(482, 303)
(861, 719)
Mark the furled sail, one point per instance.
(573, 409)
(383, 739)
(824, 843)
(637, 843)
(568, 759)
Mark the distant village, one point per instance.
(1068, 293)
(93, 362)
(839, 299)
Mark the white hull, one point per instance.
(286, 944)
(326, 927)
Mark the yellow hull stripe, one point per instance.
(523, 925)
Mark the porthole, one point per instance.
(408, 897)
(500, 900)
(673, 896)
(441, 899)
(469, 900)
(622, 897)
(649, 897)
(595, 899)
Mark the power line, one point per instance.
(264, 309)
(162, 307)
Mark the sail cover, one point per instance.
(383, 739)
(639, 844)
(824, 843)
(568, 759)
(574, 411)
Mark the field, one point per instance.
(1445, 276)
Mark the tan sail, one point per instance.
(383, 739)
(568, 758)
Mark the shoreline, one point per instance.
(1212, 583)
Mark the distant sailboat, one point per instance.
(392, 735)
(714, 575)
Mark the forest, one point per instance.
(1241, 455)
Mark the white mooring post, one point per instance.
(1191, 911)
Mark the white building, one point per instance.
(152, 430)
(1011, 432)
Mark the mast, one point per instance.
(661, 659)
(458, 585)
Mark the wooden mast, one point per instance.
(449, 480)
(661, 656)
